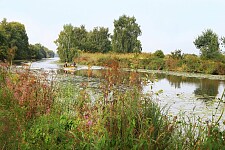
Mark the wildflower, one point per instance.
(89, 123)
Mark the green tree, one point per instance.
(66, 43)
(208, 44)
(80, 38)
(50, 53)
(39, 51)
(3, 40)
(126, 32)
(98, 40)
(13, 38)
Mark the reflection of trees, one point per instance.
(205, 86)
(208, 87)
(174, 80)
(177, 80)
(160, 76)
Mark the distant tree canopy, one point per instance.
(14, 42)
(72, 39)
(38, 51)
(208, 43)
(126, 32)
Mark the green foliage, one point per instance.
(66, 43)
(116, 119)
(98, 40)
(152, 63)
(159, 54)
(208, 44)
(11, 120)
(192, 62)
(50, 53)
(3, 40)
(80, 38)
(126, 32)
(177, 54)
(50, 132)
(14, 41)
(18, 38)
(38, 51)
(72, 39)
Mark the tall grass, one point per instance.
(24, 96)
(117, 116)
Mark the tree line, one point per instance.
(126, 31)
(14, 44)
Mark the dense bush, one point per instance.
(192, 63)
(159, 54)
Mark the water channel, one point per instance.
(180, 94)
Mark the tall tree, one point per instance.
(13, 39)
(126, 32)
(98, 40)
(208, 44)
(80, 38)
(3, 40)
(66, 44)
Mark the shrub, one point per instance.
(192, 63)
(159, 54)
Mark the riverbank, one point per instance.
(184, 74)
(186, 64)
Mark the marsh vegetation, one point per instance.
(38, 112)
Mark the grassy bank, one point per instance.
(36, 113)
(186, 63)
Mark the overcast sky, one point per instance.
(166, 24)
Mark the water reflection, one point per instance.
(202, 86)
(207, 87)
(179, 93)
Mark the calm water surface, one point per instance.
(186, 95)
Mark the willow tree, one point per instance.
(125, 37)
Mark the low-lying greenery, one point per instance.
(65, 116)
(157, 61)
